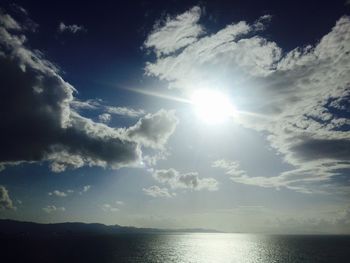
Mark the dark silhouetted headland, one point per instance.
(18, 228)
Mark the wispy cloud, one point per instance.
(113, 207)
(62, 27)
(124, 111)
(191, 180)
(51, 209)
(98, 104)
(156, 191)
(175, 33)
(58, 193)
(68, 192)
(85, 189)
(109, 208)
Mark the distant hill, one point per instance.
(18, 228)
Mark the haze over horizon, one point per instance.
(233, 115)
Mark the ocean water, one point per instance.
(187, 247)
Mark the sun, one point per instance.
(212, 106)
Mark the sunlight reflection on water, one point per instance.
(230, 248)
(211, 248)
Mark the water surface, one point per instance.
(198, 247)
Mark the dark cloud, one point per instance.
(313, 149)
(38, 124)
(154, 130)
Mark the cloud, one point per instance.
(154, 130)
(70, 28)
(176, 32)
(38, 123)
(156, 191)
(337, 223)
(19, 8)
(232, 168)
(112, 208)
(86, 105)
(124, 111)
(85, 189)
(119, 202)
(238, 175)
(304, 180)
(5, 200)
(260, 24)
(105, 117)
(51, 209)
(186, 181)
(299, 99)
(109, 208)
(152, 160)
(98, 104)
(8, 22)
(58, 193)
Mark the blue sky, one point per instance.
(233, 116)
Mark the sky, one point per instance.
(228, 115)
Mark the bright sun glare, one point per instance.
(212, 106)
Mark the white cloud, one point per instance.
(109, 208)
(305, 180)
(51, 209)
(187, 180)
(156, 191)
(70, 28)
(105, 117)
(85, 189)
(232, 168)
(300, 99)
(124, 111)
(98, 104)
(112, 208)
(260, 24)
(5, 200)
(58, 193)
(152, 160)
(176, 32)
(121, 203)
(8, 22)
(86, 105)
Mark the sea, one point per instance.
(178, 248)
